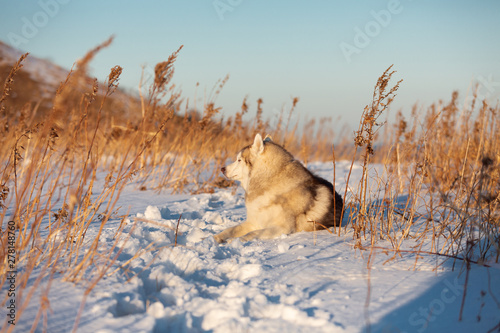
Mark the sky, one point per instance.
(327, 53)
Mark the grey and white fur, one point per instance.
(281, 195)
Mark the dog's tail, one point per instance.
(338, 206)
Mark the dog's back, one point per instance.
(312, 199)
(336, 204)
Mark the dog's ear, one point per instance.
(258, 144)
(268, 138)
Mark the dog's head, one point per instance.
(241, 168)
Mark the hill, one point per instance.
(35, 86)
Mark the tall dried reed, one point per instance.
(441, 181)
(48, 178)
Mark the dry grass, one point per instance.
(441, 184)
(446, 164)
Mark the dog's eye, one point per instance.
(239, 160)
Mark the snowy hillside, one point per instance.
(47, 74)
(38, 80)
(305, 282)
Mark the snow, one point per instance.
(40, 70)
(304, 282)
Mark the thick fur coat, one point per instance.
(281, 195)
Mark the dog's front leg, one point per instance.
(234, 232)
(266, 233)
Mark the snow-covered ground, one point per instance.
(305, 282)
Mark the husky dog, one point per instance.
(281, 195)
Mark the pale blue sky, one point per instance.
(276, 49)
